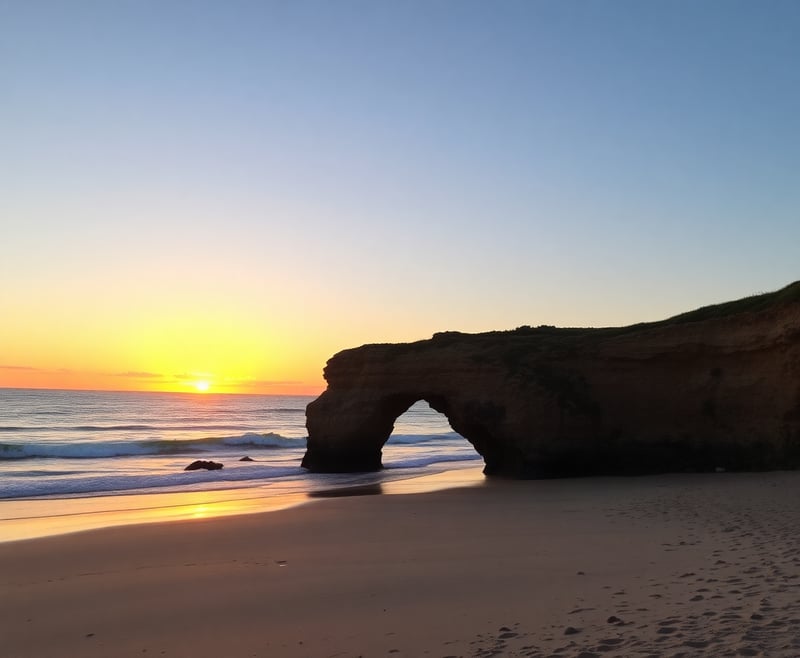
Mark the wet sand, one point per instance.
(675, 565)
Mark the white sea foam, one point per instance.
(268, 440)
(430, 459)
(119, 483)
(411, 439)
(138, 448)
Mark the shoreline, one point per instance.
(691, 565)
(32, 518)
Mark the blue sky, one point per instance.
(333, 173)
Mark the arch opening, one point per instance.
(348, 433)
(422, 437)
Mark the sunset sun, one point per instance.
(201, 385)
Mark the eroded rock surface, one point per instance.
(716, 388)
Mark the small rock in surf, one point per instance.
(208, 465)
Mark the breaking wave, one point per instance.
(141, 448)
(118, 483)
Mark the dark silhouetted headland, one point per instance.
(715, 388)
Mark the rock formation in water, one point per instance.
(716, 388)
(202, 464)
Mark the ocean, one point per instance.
(68, 444)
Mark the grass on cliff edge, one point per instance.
(753, 303)
(790, 293)
(549, 337)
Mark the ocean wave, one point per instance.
(121, 483)
(266, 411)
(109, 428)
(140, 448)
(269, 440)
(120, 428)
(410, 439)
(236, 474)
(143, 447)
(429, 460)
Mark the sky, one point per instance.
(232, 192)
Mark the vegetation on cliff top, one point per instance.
(549, 337)
(751, 304)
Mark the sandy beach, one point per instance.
(672, 565)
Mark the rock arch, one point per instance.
(715, 388)
(362, 428)
(347, 430)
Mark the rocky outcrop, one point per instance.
(202, 464)
(716, 388)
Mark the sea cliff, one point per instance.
(716, 388)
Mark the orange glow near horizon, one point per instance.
(169, 354)
(45, 378)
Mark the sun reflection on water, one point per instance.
(26, 519)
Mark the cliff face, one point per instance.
(715, 388)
